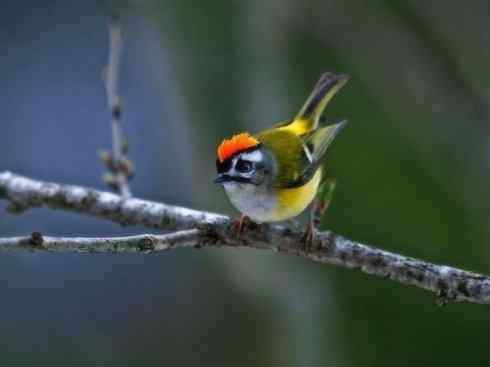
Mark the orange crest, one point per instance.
(237, 143)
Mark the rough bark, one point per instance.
(203, 229)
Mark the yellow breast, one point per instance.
(292, 202)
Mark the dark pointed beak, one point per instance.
(222, 178)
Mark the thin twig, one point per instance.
(449, 283)
(118, 163)
(141, 243)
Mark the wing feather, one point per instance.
(298, 157)
(315, 145)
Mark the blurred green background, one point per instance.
(412, 169)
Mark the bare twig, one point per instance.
(209, 229)
(140, 243)
(117, 162)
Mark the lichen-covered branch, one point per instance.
(141, 243)
(24, 193)
(204, 229)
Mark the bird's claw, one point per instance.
(239, 225)
(309, 236)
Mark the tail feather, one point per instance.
(326, 87)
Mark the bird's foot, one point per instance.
(239, 225)
(309, 236)
(317, 210)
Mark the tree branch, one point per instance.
(141, 243)
(209, 229)
(117, 162)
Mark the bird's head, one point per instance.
(241, 159)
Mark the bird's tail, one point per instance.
(308, 117)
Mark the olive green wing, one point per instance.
(316, 144)
(298, 157)
(289, 154)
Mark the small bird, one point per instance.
(275, 174)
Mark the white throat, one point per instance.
(256, 202)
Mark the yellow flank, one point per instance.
(298, 126)
(291, 202)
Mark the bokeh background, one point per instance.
(413, 171)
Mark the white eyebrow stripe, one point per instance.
(255, 156)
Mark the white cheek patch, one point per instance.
(255, 156)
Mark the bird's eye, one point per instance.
(243, 166)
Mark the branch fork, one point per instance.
(200, 229)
